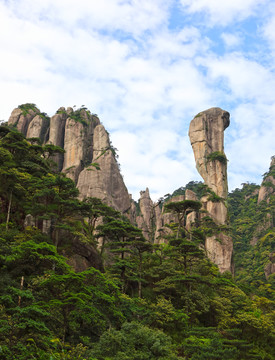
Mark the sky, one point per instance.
(147, 67)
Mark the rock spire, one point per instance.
(206, 133)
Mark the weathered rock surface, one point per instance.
(57, 134)
(206, 134)
(37, 128)
(107, 183)
(84, 139)
(267, 190)
(74, 148)
(270, 266)
(147, 214)
(219, 249)
(78, 144)
(268, 185)
(20, 120)
(217, 210)
(84, 256)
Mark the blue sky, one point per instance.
(147, 67)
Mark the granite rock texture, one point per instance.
(206, 133)
(107, 183)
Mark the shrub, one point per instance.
(217, 155)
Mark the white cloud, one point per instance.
(146, 160)
(244, 78)
(135, 16)
(231, 40)
(225, 11)
(268, 31)
(145, 81)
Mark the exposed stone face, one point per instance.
(270, 266)
(83, 142)
(29, 221)
(107, 183)
(268, 184)
(267, 190)
(219, 249)
(159, 221)
(37, 127)
(147, 214)
(206, 134)
(56, 136)
(74, 148)
(20, 120)
(85, 256)
(217, 210)
(15, 115)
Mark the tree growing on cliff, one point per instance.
(181, 209)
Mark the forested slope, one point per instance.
(252, 214)
(139, 300)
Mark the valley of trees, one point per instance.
(139, 300)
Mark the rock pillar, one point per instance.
(206, 134)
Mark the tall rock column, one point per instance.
(107, 183)
(78, 142)
(37, 128)
(56, 134)
(147, 214)
(206, 134)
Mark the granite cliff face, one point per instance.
(268, 184)
(85, 141)
(206, 133)
(106, 183)
(21, 119)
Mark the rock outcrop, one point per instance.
(265, 194)
(21, 119)
(206, 134)
(107, 183)
(85, 141)
(37, 127)
(269, 268)
(266, 199)
(56, 134)
(146, 215)
(268, 185)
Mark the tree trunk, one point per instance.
(21, 288)
(9, 211)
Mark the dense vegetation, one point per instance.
(254, 239)
(140, 301)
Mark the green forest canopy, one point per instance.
(141, 300)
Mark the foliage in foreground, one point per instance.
(163, 301)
